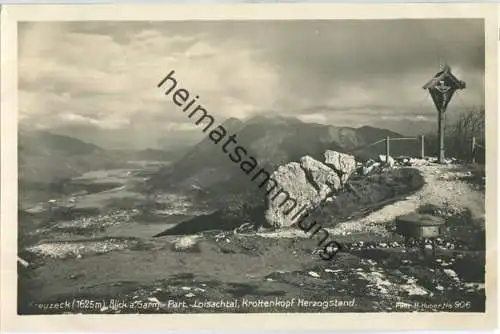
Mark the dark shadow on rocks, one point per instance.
(222, 220)
(70, 213)
(462, 229)
(239, 290)
(94, 187)
(471, 268)
(365, 194)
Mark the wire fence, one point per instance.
(418, 149)
(475, 151)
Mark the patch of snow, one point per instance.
(67, 249)
(479, 286)
(313, 274)
(414, 290)
(186, 242)
(451, 273)
(154, 300)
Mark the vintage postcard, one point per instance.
(249, 167)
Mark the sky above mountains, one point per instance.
(97, 80)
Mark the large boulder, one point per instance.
(343, 164)
(324, 179)
(291, 181)
(302, 186)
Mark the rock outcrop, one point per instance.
(303, 186)
(321, 177)
(343, 164)
(292, 181)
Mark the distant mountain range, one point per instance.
(45, 158)
(272, 141)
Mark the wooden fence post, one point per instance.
(387, 152)
(422, 146)
(473, 150)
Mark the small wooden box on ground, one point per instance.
(419, 225)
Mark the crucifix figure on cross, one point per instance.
(441, 88)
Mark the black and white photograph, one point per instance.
(251, 166)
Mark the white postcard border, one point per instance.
(11, 14)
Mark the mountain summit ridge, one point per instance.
(272, 141)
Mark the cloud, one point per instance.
(313, 118)
(104, 74)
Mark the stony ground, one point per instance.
(112, 265)
(447, 189)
